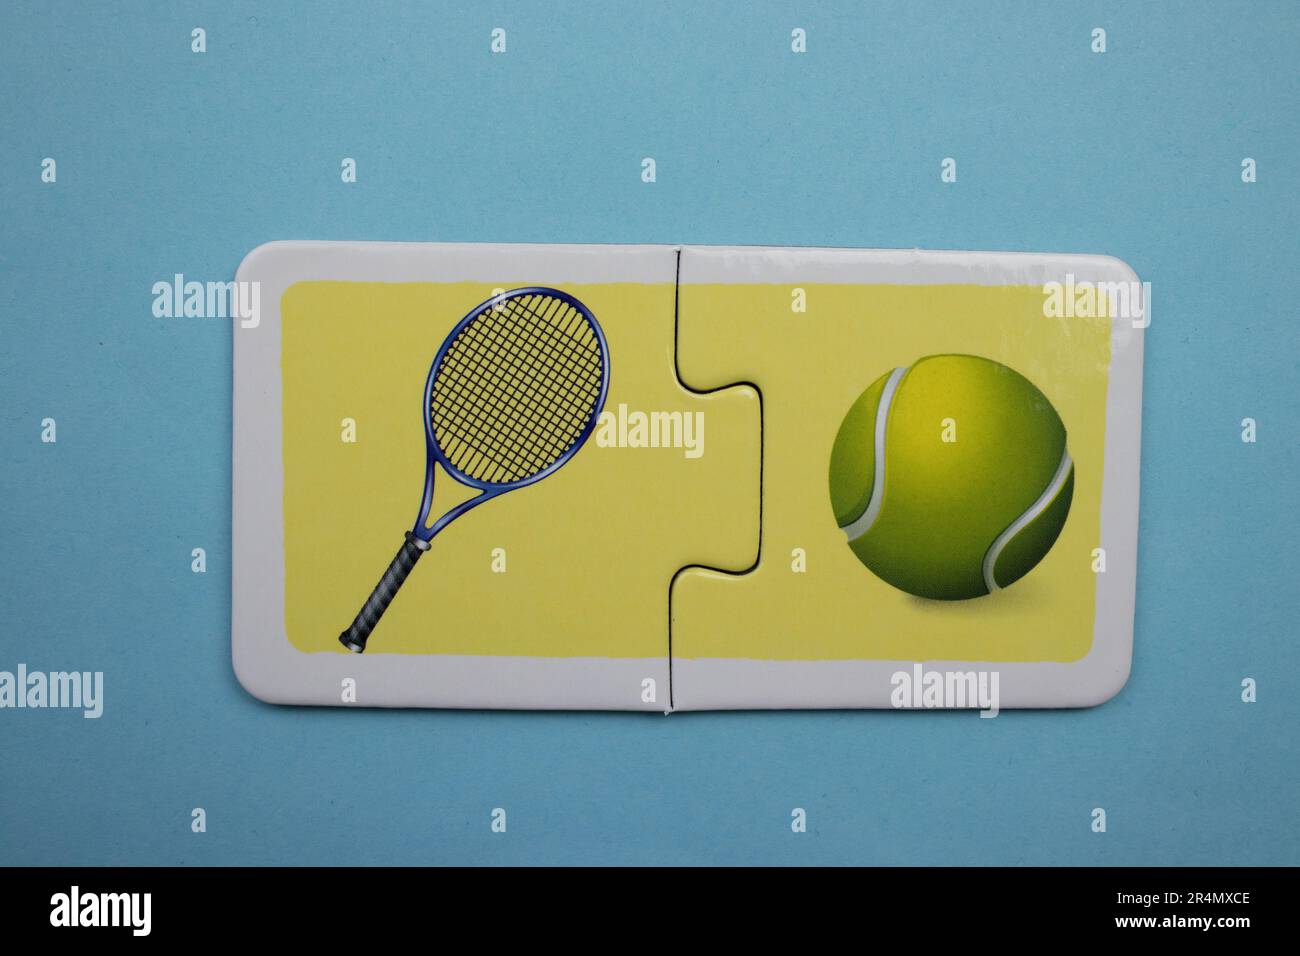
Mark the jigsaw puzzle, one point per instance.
(813, 471)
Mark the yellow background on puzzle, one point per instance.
(810, 367)
(592, 550)
(589, 551)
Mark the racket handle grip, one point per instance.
(355, 637)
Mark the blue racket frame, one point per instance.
(490, 489)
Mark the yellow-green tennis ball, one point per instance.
(951, 478)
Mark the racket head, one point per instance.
(514, 391)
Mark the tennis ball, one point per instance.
(951, 478)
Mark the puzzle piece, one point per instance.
(555, 595)
(810, 626)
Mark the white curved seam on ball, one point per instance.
(1037, 508)
(862, 524)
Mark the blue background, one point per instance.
(174, 162)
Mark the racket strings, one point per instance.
(511, 433)
(540, 406)
(544, 415)
(535, 412)
(517, 388)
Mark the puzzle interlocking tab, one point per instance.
(730, 373)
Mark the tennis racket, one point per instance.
(513, 393)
